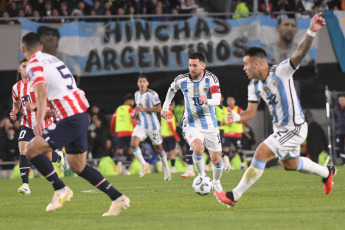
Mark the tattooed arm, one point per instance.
(316, 23)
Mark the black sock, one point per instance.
(96, 179)
(24, 168)
(241, 156)
(129, 160)
(172, 162)
(45, 167)
(56, 157)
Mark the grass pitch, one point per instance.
(279, 200)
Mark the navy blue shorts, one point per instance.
(237, 142)
(26, 134)
(169, 143)
(70, 132)
(122, 142)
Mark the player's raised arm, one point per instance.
(316, 23)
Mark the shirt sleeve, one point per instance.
(252, 96)
(155, 99)
(285, 69)
(34, 70)
(15, 96)
(173, 88)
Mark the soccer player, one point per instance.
(276, 87)
(170, 137)
(54, 84)
(232, 135)
(121, 127)
(24, 96)
(147, 105)
(201, 92)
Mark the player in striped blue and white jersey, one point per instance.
(276, 87)
(147, 105)
(201, 92)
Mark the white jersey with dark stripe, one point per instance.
(196, 113)
(279, 93)
(21, 93)
(149, 99)
(62, 92)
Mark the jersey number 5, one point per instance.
(65, 76)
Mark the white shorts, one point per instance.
(285, 142)
(211, 140)
(154, 135)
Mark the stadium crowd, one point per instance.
(41, 9)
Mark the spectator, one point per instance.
(84, 9)
(316, 138)
(266, 6)
(241, 10)
(139, 6)
(187, 6)
(12, 9)
(47, 9)
(299, 9)
(339, 126)
(64, 9)
(99, 137)
(248, 138)
(28, 10)
(158, 17)
(98, 8)
(9, 150)
(323, 6)
(37, 16)
(95, 110)
(7, 15)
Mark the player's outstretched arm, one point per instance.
(246, 115)
(14, 111)
(316, 23)
(170, 95)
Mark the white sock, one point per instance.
(309, 166)
(137, 153)
(164, 159)
(251, 175)
(190, 167)
(199, 164)
(217, 170)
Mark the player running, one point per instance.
(276, 87)
(54, 83)
(201, 92)
(147, 105)
(24, 96)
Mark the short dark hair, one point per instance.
(143, 76)
(255, 52)
(197, 55)
(45, 30)
(128, 97)
(31, 40)
(22, 60)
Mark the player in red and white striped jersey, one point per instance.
(53, 82)
(24, 96)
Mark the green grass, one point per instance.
(279, 200)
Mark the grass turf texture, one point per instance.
(279, 200)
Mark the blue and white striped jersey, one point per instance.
(279, 93)
(149, 99)
(196, 113)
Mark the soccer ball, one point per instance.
(202, 185)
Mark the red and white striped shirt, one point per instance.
(21, 93)
(62, 92)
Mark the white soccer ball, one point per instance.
(202, 185)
